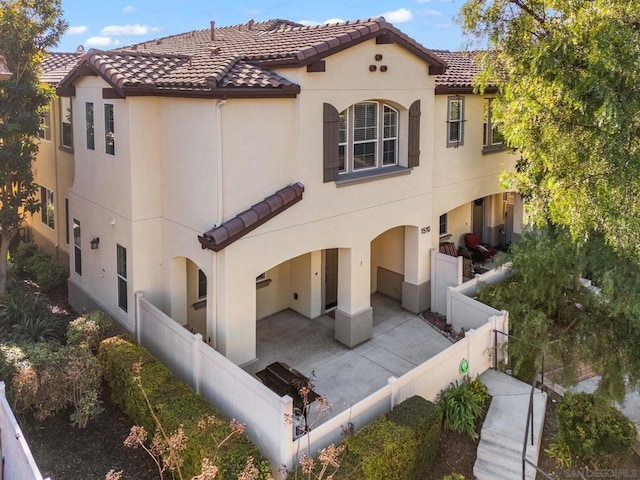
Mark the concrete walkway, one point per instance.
(501, 440)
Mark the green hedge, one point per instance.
(175, 404)
(401, 445)
(425, 418)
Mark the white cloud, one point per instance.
(313, 23)
(401, 15)
(429, 12)
(129, 9)
(99, 41)
(128, 30)
(78, 30)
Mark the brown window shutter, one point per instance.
(414, 134)
(330, 145)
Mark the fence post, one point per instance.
(286, 437)
(394, 391)
(138, 333)
(196, 342)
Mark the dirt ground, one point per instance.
(64, 452)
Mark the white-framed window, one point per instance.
(121, 274)
(45, 125)
(492, 138)
(66, 123)
(47, 209)
(77, 247)
(202, 285)
(443, 224)
(109, 129)
(367, 137)
(90, 126)
(455, 121)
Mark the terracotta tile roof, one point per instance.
(220, 237)
(57, 65)
(236, 58)
(463, 67)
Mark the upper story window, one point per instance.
(66, 124)
(492, 138)
(45, 125)
(90, 127)
(368, 137)
(202, 284)
(47, 209)
(455, 121)
(444, 220)
(109, 129)
(364, 141)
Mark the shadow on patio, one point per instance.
(400, 342)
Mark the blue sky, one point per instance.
(104, 25)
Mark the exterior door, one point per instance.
(330, 278)
(478, 218)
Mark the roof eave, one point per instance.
(460, 89)
(291, 91)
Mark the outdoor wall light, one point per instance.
(95, 243)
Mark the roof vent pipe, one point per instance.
(250, 23)
(213, 30)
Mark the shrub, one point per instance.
(82, 378)
(21, 257)
(46, 272)
(175, 405)
(454, 476)
(462, 405)
(425, 419)
(90, 329)
(593, 431)
(386, 450)
(26, 317)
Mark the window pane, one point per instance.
(66, 220)
(77, 252)
(47, 210)
(202, 284)
(365, 124)
(390, 123)
(364, 155)
(497, 138)
(443, 224)
(121, 261)
(109, 133)
(454, 132)
(90, 126)
(455, 110)
(389, 152)
(66, 122)
(122, 294)
(341, 158)
(45, 125)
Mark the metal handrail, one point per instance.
(529, 425)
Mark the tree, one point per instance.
(28, 29)
(569, 72)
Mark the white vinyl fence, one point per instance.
(221, 382)
(446, 271)
(238, 395)
(426, 380)
(17, 461)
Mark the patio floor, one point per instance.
(400, 342)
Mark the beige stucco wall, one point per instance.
(184, 165)
(53, 169)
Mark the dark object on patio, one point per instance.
(481, 251)
(284, 380)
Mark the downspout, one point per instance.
(219, 217)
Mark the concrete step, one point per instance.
(501, 439)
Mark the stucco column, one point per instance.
(416, 287)
(354, 315)
(236, 307)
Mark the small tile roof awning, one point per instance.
(220, 237)
(461, 73)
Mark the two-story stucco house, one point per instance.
(230, 173)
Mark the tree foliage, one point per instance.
(28, 29)
(551, 310)
(569, 72)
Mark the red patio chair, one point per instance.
(482, 251)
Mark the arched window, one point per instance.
(364, 139)
(367, 137)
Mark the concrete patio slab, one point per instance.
(400, 342)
